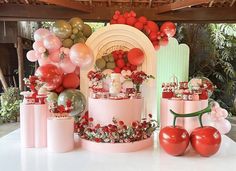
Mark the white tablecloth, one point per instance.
(15, 158)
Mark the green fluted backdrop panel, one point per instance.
(172, 59)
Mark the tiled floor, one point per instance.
(9, 127)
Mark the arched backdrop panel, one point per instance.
(129, 37)
(172, 59)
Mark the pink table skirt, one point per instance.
(180, 106)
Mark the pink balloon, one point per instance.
(52, 43)
(44, 60)
(224, 113)
(55, 56)
(77, 71)
(81, 55)
(38, 46)
(223, 126)
(41, 33)
(32, 56)
(67, 66)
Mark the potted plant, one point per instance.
(10, 105)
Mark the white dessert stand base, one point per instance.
(115, 147)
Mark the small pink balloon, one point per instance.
(224, 113)
(32, 56)
(77, 71)
(38, 46)
(223, 126)
(52, 43)
(41, 33)
(81, 55)
(55, 56)
(43, 60)
(67, 66)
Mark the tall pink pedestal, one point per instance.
(166, 116)
(189, 107)
(40, 125)
(27, 125)
(180, 106)
(60, 134)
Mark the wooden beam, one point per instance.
(3, 80)
(150, 3)
(52, 12)
(232, 3)
(211, 3)
(20, 58)
(69, 4)
(180, 5)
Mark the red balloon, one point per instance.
(152, 26)
(168, 28)
(71, 80)
(142, 19)
(51, 75)
(152, 36)
(164, 42)
(121, 20)
(131, 21)
(138, 25)
(136, 56)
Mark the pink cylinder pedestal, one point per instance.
(166, 116)
(189, 107)
(40, 125)
(60, 134)
(27, 125)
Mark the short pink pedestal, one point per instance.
(116, 147)
(181, 106)
(104, 110)
(40, 125)
(27, 125)
(60, 134)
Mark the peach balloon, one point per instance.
(81, 55)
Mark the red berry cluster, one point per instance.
(117, 132)
(150, 28)
(138, 77)
(95, 75)
(122, 62)
(55, 108)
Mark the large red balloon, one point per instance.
(136, 56)
(71, 80)
(51, 75)
(168, 28)
(152, 26)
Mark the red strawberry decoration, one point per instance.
(152, 26)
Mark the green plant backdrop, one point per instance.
(213, 55)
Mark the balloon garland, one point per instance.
(158, 37)
(61, 52)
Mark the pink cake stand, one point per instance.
(115, 147)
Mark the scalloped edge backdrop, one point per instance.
(172, 59)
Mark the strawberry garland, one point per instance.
(158, 37)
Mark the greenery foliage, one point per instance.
(10, 104)
(213, 55)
